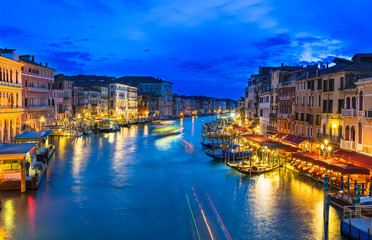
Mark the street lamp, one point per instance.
(42, 120)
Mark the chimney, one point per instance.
(46, 64)
(327, 64)
(321, 66)
(317, 72)
(33, 58)
(282, 64)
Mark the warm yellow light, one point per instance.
(322, 147)
(326, 142)
(329, 148)
(334, 125)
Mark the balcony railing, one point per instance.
(348, 113)
(37, 107)
(37, 89)
(8, 84)
(283, 98)
(287, 84)
(283, 115)
(11, 110)
(345, 144)
(335, 139)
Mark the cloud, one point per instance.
(279, 40)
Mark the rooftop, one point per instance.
(33, 135)
(16, 148)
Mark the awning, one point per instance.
(355, 158)
(309, 157)
(291, 149)
(281, 136)
(345, 168)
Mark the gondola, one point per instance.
(256, 170)
(206, 145)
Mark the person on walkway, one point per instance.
(27, 168)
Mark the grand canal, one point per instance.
(132, 185)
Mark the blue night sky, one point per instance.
(207, 47)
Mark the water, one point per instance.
(132, 185)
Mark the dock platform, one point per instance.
(357, 228)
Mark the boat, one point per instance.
(167, 130)
(229, 155)
(108, 126)
(206, 145)
(256, 169)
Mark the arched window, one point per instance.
(347, 132)
(348, 103)
(339, 131)
(324, 128)
(361, 101)
(353, 103)
(352, 133)
(360, 133)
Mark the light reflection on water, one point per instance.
(132, 185)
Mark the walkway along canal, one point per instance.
(133, 185)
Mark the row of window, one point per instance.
(7, 75)
(37, 72)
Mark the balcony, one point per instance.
(8, 84)
(335, 139)
(349, 145)
(11, 110)
(348, 113)
(284, 115)
(33, 108)
(38, 89)
(282, 98)
(287, 84)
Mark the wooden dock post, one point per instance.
(357, 201)
(326, 206)
(342, 183)
(23, 180)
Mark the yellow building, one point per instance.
(10, 98)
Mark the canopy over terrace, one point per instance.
(355, 158)
(264, 142)
(343, 168)
(32, 136)
(15, 151)
(289, 139)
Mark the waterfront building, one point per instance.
(11, 95)
(155, 87)
(357, 115)
(67, 86)
(37, 93)
(177, 105)
(123, 101)
(78, 101)
(336, 81)
(308, 103)
(264, 109)
(104, 103)
(92, 98)
(286, 100)
(188, 105)
(132, 111)
(59, 109)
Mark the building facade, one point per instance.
(37, 94)
(11, 95)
